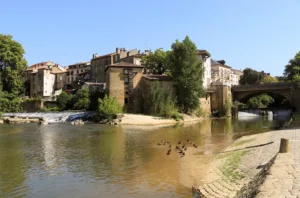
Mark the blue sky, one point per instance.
(261, 34)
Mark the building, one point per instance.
(99, 63)
(122, 80)
(204, 56)
(46, 79)
(222, 74)
(79, 71)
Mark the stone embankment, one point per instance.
(19, 120)
(240, 171)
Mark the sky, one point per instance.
(260, 34)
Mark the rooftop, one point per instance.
(160, 77)
(124, 64)
(203, 52)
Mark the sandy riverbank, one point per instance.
(138, 119)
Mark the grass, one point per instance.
(229, 167)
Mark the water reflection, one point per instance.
(106, 161)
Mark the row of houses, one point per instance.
(121, 74)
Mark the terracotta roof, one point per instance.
(124, 64)
(158, 77)
(56, 70)
(203, 52)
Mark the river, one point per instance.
(61, 160)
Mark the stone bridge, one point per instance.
(290, 91)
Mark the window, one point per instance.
(81, 70)
(72, 73)
(60, 78)
(126, 92)
(125, 71)
(126, 100)
(126, 80)
(77, 71)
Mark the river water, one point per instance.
(61, 160)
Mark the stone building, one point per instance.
(222, 74)
(99, 63)
(79, 71)
(122, 80)
(46, 79)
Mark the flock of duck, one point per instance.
(180, 148)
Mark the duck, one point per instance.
(195, 145)
(183, 146)
(169, 150)
(189, 141)
(179, 142)
(168, 153)
(170, 146)
(158, 143)
(177, 147)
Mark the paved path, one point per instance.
(283, 179)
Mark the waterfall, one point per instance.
(53, 117)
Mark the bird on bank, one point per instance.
(189, 141)
(177, 147)
(170, 146)
(179, 142)
(183, 146)
(195, 145)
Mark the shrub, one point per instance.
(199, 112)
(82, 99)
(108, 107)
(63, 99)
(1, 114)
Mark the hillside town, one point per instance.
(119, 73)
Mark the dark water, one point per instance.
(61, 160)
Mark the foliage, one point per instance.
(10, 103)
(260, 101)
(63, 99)
(161, 102)
(292, 69)
(82, 99)
(251, 76)
(187, 72)
(12, 65)
(1, 114)
(199, 112)
(155, 62)
(269, 79)
(108, 107)
(236, 106)
(281, 78)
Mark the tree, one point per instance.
(12, 65)
(251, 76)
(292, 69)
(82, 99)
(269, 79)
(63, 99)
(155, 62)
(260, 101)
(186, 70)
(108, 107)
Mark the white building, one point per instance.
(204, 56)
(222, 74)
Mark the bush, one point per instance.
(10, 103)
(227, 108)
(1, 114)
(161, 103)
(199, 112)
(108, 107)
(82, 99)
(260, 101)
(63, 99)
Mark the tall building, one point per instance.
(99, 63)
(204, 56)
(46, 79)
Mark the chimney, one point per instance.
(118, 50)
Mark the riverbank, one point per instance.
(240, 170)
(138, 119)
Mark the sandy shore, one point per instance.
(137, 119)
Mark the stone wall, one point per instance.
(32, 105)
(219, 97)
(205, 105)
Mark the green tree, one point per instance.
(292, 69)
(251, 76)
(155, 62)
(260, 101)
(187, 71)
(269, 79)
(63, 99)
(108, 107)
(12, 65)
(82, 99)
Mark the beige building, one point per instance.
(46, 79)
(122, 79)
(99, 63)
(79, 71)
(222, 74)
